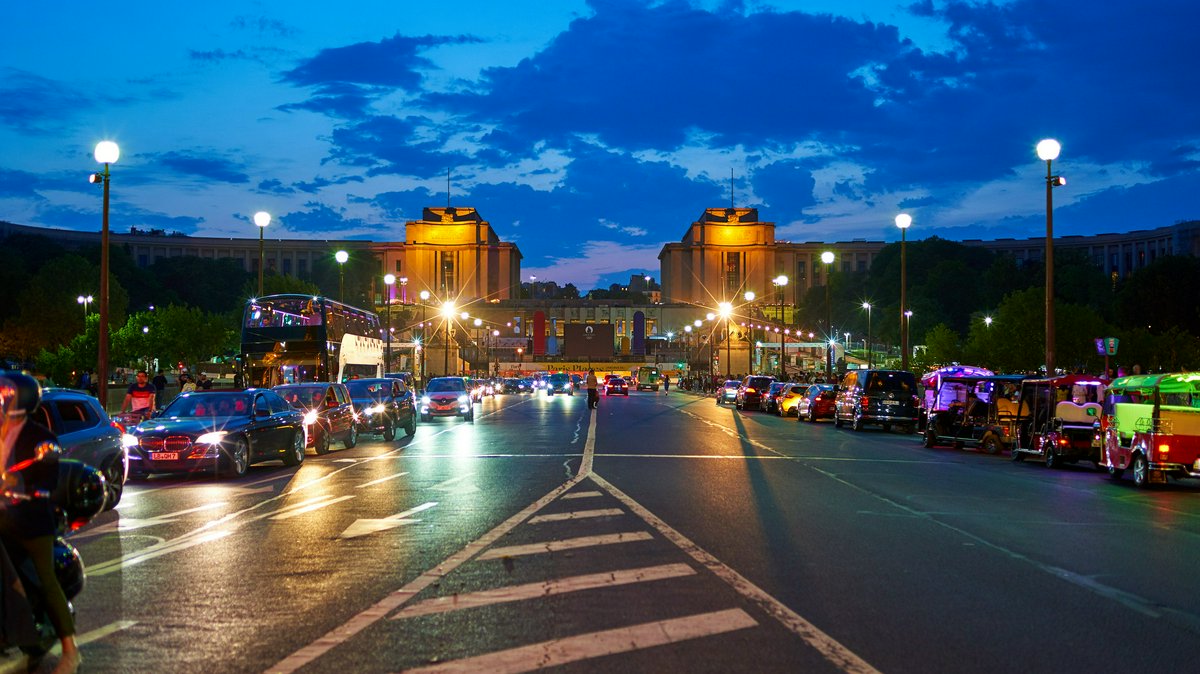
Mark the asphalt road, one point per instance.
(662, 533)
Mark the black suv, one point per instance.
(883, 397)
(383, 405)
(753, 391)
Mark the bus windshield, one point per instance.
(284, 313)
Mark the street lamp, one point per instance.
(533, 286)
(478, 324)
(403, 290)
(1047, 151)
(987, 320)
(388, 280)
(903, 221)
(870, 351)
(491, 343)
(84, 300)
(447, 317)
(341, 256)
(261, 219)
(907, 321)
(827, 258)
(780, 283)
(424, 328)
(726, 310)
(106, 153)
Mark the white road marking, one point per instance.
(581, 494)
(165, 548)
(293, 512)
(131, 523)
(345, 460)
(369, 616)
(452, 485)
(837, 654)
(513, 593)
(589, 448)
(598, 644)
(577, 515)
(382, 479)
(362, 527)
(97, 634)
(565, 544)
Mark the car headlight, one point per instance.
(374, 409)
(128, 440)
(424, 400)
(310, 417)
(463, 398)
(210, 438)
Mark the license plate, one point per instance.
(164, 456)
(890, 403)
(1196, 466)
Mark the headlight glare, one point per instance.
(310, 417)
(210, 438)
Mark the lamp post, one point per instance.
(491, 343)
(533, 286)
(907, 322)
(424, 330)
(261, 220)
(867, 306)
(478, 325)
(780, 283)
(403, 290)
(726, 310)
(84, 300)
(388, 280)
(903, 221)
(687, 354)
(447, 317)
(827, 258)
(107, 153)
(1048, 150)
(341, 256)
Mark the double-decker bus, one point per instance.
(648, 378)
(298, 338)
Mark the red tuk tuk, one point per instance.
(1151, 424)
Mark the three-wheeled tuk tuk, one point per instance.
(972, 411)
(1151, 424)
(931, 383)
(1057, 420)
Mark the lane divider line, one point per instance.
(503, 595)
(380, 480)
(566, 544)
(598, 644)
(311, 507)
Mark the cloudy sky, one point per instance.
(591, 132)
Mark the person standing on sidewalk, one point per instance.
(666, 383)
(593, 390)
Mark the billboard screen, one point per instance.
(588, 340)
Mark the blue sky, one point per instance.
(590, 133)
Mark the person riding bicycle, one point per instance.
(29, 461)
(140, 396)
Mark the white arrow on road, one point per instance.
(131, 523)
(365, 526)
(452, 485)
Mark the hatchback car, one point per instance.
(87, 434)
(728, 391)
(447, 397)
(328, 413)
(752, 392)
(225, 431)
(614, 384)
(559, 382)
(883, 397)
(789, 397)
(383, 405)
(816, 402)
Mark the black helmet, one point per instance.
(80, 492)
(28, 392)
(68, 568)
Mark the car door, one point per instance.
(402, 403)
(344, 412)
(264, 427)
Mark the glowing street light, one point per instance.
(1047, 151)
(84, 300)
(341, 256)
(424, 295)
(389, 280)
(870, 350)
(107, 153)
(827, 258)
(903, 221)
(780, 282)
(447, 318)
(261, 220)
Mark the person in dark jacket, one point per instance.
(29, 461)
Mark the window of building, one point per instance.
(733, 273)
(399, 266)
(448, 281)
(287, 265)
(801, 273)
(302, 267)
(142, 260)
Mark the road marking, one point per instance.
(345, 460)
(598, 644)
(565, 544)
(288, 513)
(96, 634)
(362, 527)
(581, 494)
(577, 515)
(513, 593)
(391, 602)
(105, 568)
(382, 479)
(589, 448)
(451, 485)
(837, 654)
(131, 523)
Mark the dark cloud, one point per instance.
(33, 104)
(16, 184)
(391, 62)
(336, 100)
(392, 145)
(317, 184)
(318, 217)
(219, 55)
(274, 186)
(209, 167)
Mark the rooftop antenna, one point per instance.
(731, 188)
(447, 187)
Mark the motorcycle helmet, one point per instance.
(80, 492)
(68, 568)
(28, 392)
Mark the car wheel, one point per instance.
(837, 419)
(389, 431)
(812, 415)
(426, 418)
(322, 442)
(351, 437)
(991, 444)
(114, 483)
(295, 454)
(1141, 471)
(411, 429)
(239, 458)
(857, 424)
(1049, 455)
(470, 416)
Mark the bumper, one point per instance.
(189, 460)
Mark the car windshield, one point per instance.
(444, 385)
(214, 405)
(732, 384)
(302, 397)
(376, 390)
(558, 379)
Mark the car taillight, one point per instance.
(749, 389)
(865, 402)
(117, 426)
(1163, 450)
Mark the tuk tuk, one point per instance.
(1151, 424)
(932, 381)
(1057, 420)
(973, 411)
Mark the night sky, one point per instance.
(591, 133)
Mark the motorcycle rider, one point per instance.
(29, 461)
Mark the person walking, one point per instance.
(592, 390)
(666, 383)
(160, 388)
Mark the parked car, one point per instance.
(817, 402)
(789, 397)
(882, 397)
(328, 413)
(770, 401)
(728, 391)
(225, 431)
(752, 391)
(615, 385)
(87, 434)
(447, 397)
(383, 405)
(559, 382)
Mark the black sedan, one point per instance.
(383, 405)
(225, 431)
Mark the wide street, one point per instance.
(660, 533)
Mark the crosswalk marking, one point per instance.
(545, 589)
(565, 544)
(576, 515)
(582, 494)
(597, 644)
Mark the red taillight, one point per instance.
(118, 426)
(1063, 442)
(1164, 449)
(865, 402)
